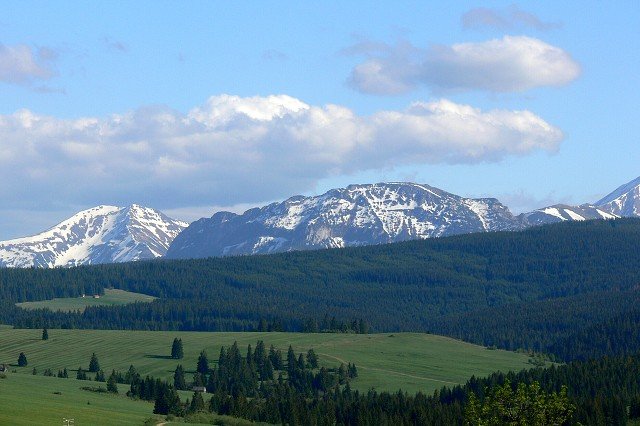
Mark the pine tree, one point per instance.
(291, 361)
(161, 405)
(178, 378)
(112, 383)
(312, 359)
(197, 403)
(177, 351)
(94, 365)
(203, 363)
(45, 334)
(22, 360)
(81, 374)
(100, 376)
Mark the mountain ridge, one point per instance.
(101, 234)
(387, 212)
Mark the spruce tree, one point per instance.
(197, 403)
(22, 360)
(100, 376)
(177, 352)
(203, 363)
(94, 365)
(45, 334)
(178, 378)
(112, 383)
(81, 374)
(312, 359)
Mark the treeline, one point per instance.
(597, 392)
(526, 289)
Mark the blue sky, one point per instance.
(124, 102)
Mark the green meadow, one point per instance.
(408, 361)
(111, 297)
(38, 400)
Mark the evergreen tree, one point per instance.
(45, 334)
(262, 325)
(291, 361)
(161, 405)
(94, 365)
(312, 359)
(203, 363)
(197, 403)
(177, 351)
(112, 383)
(178, 378)
(22, 360)
(100, 376)
(131, 375)
(81, 374)
(34, 371)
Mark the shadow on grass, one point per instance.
(158, 356)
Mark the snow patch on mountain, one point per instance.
(102, 234)
(355, 215)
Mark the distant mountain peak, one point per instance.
(101, 234)
(624, 201)
(359, 214)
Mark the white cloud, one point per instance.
(235, 150)
(21, 64)
(509, 64)
(505, 19)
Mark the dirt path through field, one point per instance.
(398, 373)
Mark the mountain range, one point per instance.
(356, 215)
(103, 234)
(374, 214)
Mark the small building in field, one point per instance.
(96, 296)
(200, 389)
(4, 368)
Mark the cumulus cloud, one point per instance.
(509, 64)
(23, 65)
(509, 18)
(235, 150)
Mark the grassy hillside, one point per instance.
(408, 361)
(37, 400)
(111, 297)
(59, 399)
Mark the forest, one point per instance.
(540, 289)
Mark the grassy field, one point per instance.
(57, 399)
(409, 361)
(110, 297)
(38, 400)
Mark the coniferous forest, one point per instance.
(569, 291)
(533, 290)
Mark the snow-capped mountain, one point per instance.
(563, 212)
(103, 234)
(624, 201)
(356, 215)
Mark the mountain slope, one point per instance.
(102, 234)
(356, 215)
(624, 201)
(563, 212)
